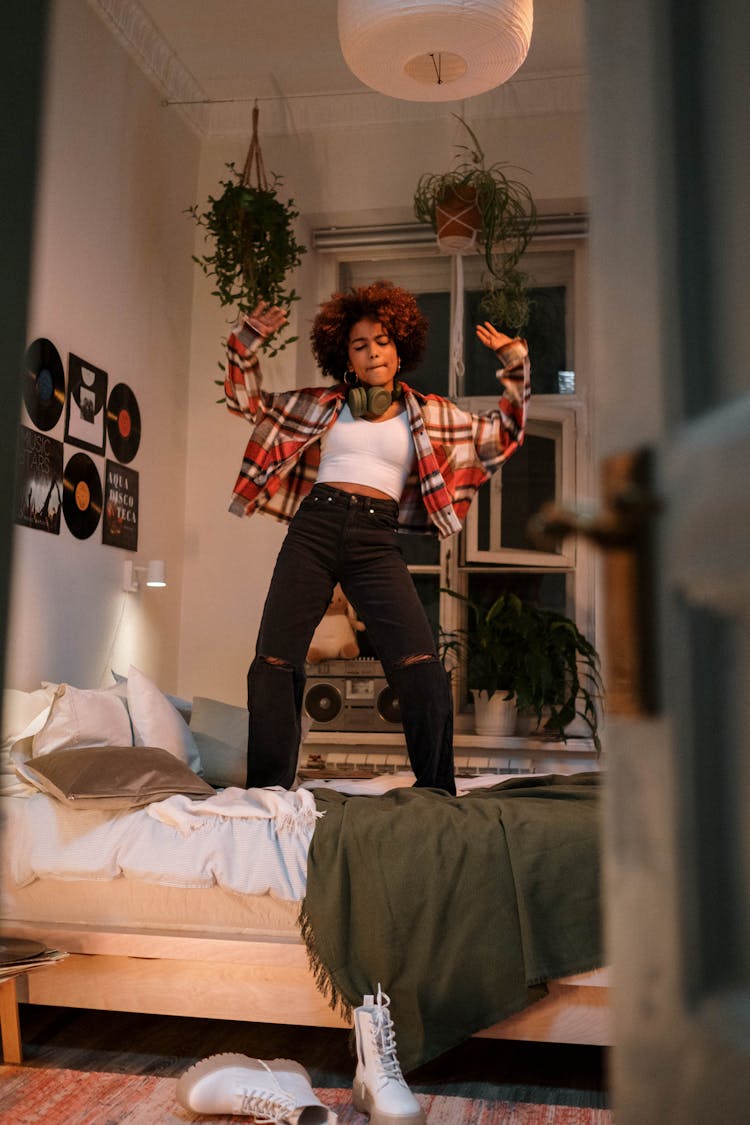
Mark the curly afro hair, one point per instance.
(397, 311)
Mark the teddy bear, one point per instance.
(335, 636)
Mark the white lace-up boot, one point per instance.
(379, 1086)
(274, 1092)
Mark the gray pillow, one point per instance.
(220, 733)
(113, 777)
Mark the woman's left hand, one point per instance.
(490, 336)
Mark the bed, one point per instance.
(213, 941)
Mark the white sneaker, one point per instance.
(379, 1086)
(276, 1091)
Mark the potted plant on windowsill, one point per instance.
(536, 660)
(476, 206)
(253, 238)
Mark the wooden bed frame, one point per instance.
(264, 981)
(185, 973)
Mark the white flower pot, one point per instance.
(493, 714)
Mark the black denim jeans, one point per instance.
(335, 537)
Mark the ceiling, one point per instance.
(214, 59)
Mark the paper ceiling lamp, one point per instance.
(428, 50)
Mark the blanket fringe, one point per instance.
(323, 979)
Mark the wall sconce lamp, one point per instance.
(156, 575)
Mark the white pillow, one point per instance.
(184, 706)
(20, 708)
(83, 718)
(156, 722)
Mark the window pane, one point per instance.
(420, 550)
(528, 482)
(549, 591)
(505, 505)
(545, 335)
(428, 588)
(431, 377)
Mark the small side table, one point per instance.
(10, 1025)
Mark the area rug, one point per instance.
(75, 1097)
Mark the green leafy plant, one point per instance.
(254, 245)
(506, 216)
(537, 656)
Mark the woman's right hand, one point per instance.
(266, 319)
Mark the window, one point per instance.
(493, 553)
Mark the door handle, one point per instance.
(624, 529)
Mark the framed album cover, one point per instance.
(39, 481)
(120, 527)
(86, 405)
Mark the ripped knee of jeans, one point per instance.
(419, 658)
(274, 661)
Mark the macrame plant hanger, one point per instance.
(254, 157)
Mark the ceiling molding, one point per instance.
(527, 94)
(153, 55)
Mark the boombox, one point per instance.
(350, 695)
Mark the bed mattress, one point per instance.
(130, 904)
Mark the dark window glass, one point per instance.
(545, 335)
(431, 377)
(428, 588)
(420, 550)
(545, 590)
(528, 482)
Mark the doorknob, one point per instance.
(624, 529)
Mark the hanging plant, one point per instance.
(254, 244)
(477, 206)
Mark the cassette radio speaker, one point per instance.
(350, 695)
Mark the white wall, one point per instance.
(112, 282)
(343, 175)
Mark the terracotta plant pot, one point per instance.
(458, 220)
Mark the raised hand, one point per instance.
(490, 336)
(266, 319)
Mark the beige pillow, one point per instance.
(112, 777)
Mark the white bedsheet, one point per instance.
(248, 853)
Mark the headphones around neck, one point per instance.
(372, 400)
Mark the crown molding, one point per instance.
(154, 56)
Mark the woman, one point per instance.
(349, 466)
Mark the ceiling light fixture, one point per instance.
(434, 50)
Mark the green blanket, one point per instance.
(460, 907)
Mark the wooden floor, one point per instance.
(166, 1045)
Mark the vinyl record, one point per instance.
(82, 495)
(123, 423)
(43, 383)
(13, 950)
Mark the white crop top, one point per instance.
(380, 454)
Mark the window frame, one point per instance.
(578, 482)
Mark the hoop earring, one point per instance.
(398, 369)
(350, 378)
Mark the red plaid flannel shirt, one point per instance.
(456, 450)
